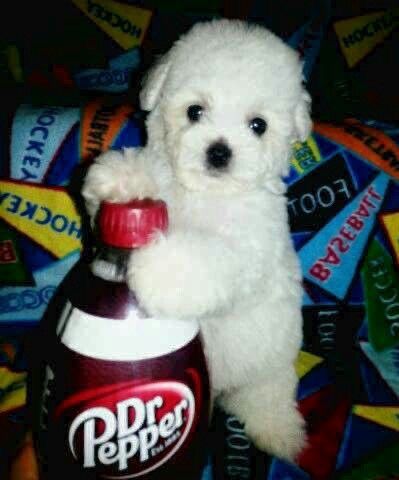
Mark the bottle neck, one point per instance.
(110, 263)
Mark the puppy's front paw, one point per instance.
(175, 276)
(160, 279)
(116, 176)
(280, 434)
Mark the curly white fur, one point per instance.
(228, 258)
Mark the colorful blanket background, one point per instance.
(343, 203)
(100, 46)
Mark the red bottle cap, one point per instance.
(132, 224)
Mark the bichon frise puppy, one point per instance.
(226, 104)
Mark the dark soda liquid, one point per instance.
(98, 418)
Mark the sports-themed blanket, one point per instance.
(343, 203)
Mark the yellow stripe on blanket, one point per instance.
(359, 36)
(12, 389)
(47, 215)
(306, 362)
(386, 416)
(126, 24)
(390, 221)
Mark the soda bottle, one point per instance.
(124, 395)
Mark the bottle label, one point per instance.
(131, 429)
(132, 338)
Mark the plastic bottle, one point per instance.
(123, 395)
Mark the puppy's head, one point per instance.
(227, 102)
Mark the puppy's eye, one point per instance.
(194, 113)
(258, 125)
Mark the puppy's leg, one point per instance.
(269, 413)
(117, 176)
(185, 274)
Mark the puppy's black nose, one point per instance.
(218, 155)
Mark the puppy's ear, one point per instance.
(303, 122)
(153, 82)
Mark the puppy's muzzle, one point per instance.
(218, 156)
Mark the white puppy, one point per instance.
(226, 104)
